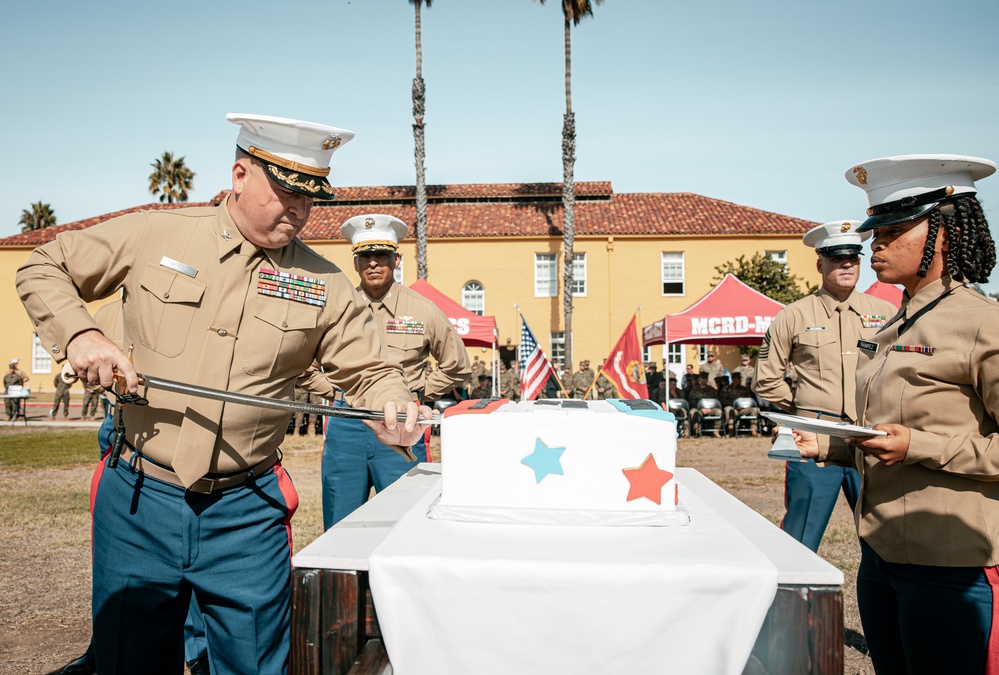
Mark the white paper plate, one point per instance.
(825, 427)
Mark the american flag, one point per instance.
(535, 369)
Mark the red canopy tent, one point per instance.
(889, 292)
(474, 330)
(731, 313)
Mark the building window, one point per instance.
(672, 272)
(674, 354)
(473, 298)
(397, 273)
(778, 256)
(646, 354)
(545, 275)
(702, 353)
(558, 348)
(579, 274)
(41, 362)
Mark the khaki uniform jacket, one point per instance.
(940, 506)
(167, 316)
(806, 333)
(748, 374)
(416, 329)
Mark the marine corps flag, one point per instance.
(624, 365)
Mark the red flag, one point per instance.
(624, 365)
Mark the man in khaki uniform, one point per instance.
(818, 335)
(224, 297)
(581, 380)
(745, 370)
(712, 366)
(414, 330)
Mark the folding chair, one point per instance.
(681, 410)
(714, 422)
(744, 421)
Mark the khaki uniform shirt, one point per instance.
(713, 370)
(416, 329)
(748, 374)
(807, 334)
(940, 505)
(171, 265)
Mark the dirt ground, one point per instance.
(45, 566)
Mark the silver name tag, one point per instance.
(808, 328)
(179, 267)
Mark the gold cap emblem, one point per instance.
(949, 190)
(332, 143)
(861, 174)
(369, 223)
(845, 227)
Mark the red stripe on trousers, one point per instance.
(290, 495)
(992, 658)
(95, 480)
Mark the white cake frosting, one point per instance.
(558, 461)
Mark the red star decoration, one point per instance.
(647, 480)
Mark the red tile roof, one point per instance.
(512, 210)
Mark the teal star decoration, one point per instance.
(544, 460)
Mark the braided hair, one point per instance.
(972, 252)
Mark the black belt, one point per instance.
(206, 485)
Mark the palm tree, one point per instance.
(573, 12)
(172, 178)
(419, 102)
(38, 217)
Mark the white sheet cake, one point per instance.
(558, 461)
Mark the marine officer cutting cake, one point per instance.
(223, 297)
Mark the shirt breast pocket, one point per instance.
(281, 337)
(817, 349)
(406, 348)
(166, 309)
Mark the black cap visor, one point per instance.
(896, 217)
(316, 187)
(845, 249)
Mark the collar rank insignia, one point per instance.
(405, 325)
(291, 287)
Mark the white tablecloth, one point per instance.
(470, 598)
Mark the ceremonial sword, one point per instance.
(262, 401)
(272, 403)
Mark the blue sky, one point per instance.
(763, 103)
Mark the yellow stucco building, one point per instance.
(494, 247)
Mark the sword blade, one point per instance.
(272, 403)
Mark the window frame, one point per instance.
(549, 261)
(683, 273)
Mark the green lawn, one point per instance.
(47, 449)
